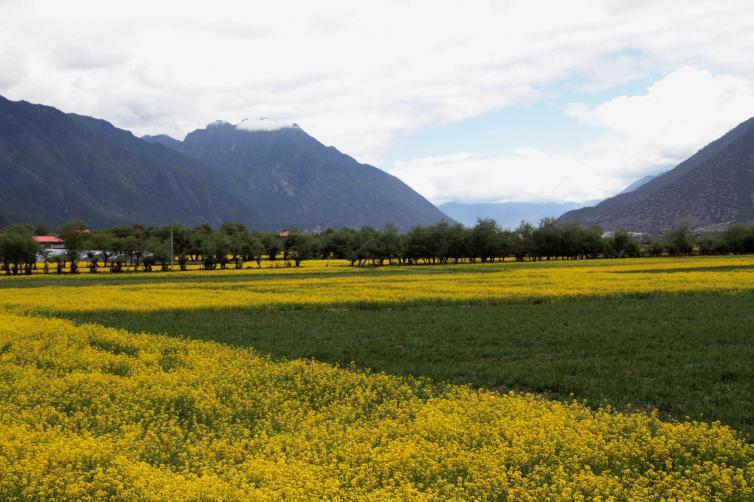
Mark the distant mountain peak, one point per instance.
(162, 139)
(298, 180)
(157, 138)
(218, 123)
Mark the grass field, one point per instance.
(686, 354)
(657, 340)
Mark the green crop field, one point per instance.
(684, 355)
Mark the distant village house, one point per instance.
(49, 241)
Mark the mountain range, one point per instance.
(511, 214)
(59, 166)
(711, 189)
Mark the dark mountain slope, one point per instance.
(298, 180)
(56, 167)
(223, 197)
(714, 187)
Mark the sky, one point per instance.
(474, 101)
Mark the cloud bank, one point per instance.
(362, 75)
(645, 134)
(264, 124)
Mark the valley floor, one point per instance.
(628, 354)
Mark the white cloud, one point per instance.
(645, 134)
(687, 107)
(263, 124)
(527, 175)
(353, 74)
(12, 69)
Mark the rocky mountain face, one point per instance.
(711, 189)
(164, 140)
(295, 179)
(57, 166)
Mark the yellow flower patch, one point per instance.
(401, 285)
(88, 412)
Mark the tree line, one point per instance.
(143, 248)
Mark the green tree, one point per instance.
(418, 245)
(215, 249)
(232, 229)
(523, 241)
(18, 251)
(504, 244)
(102, 242)
(156, 251)
(547, 239)
(711, 243)
(485, 238)
(388, 244)
(303, 247)
(367, 247)
(591, 244)
(255, 249)
(458, 242)
(75, 235)
(238, 246)
(622, 244)
(272, 246)
(739, 239)
(340, 244)
(679, 241)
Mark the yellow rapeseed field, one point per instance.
(334, 286)
(88, 412)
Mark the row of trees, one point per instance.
(486, 242)
(146, 248)
(18, 251)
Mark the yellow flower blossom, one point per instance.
(400, 285)
(90, 413)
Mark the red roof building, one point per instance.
(49, 241)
